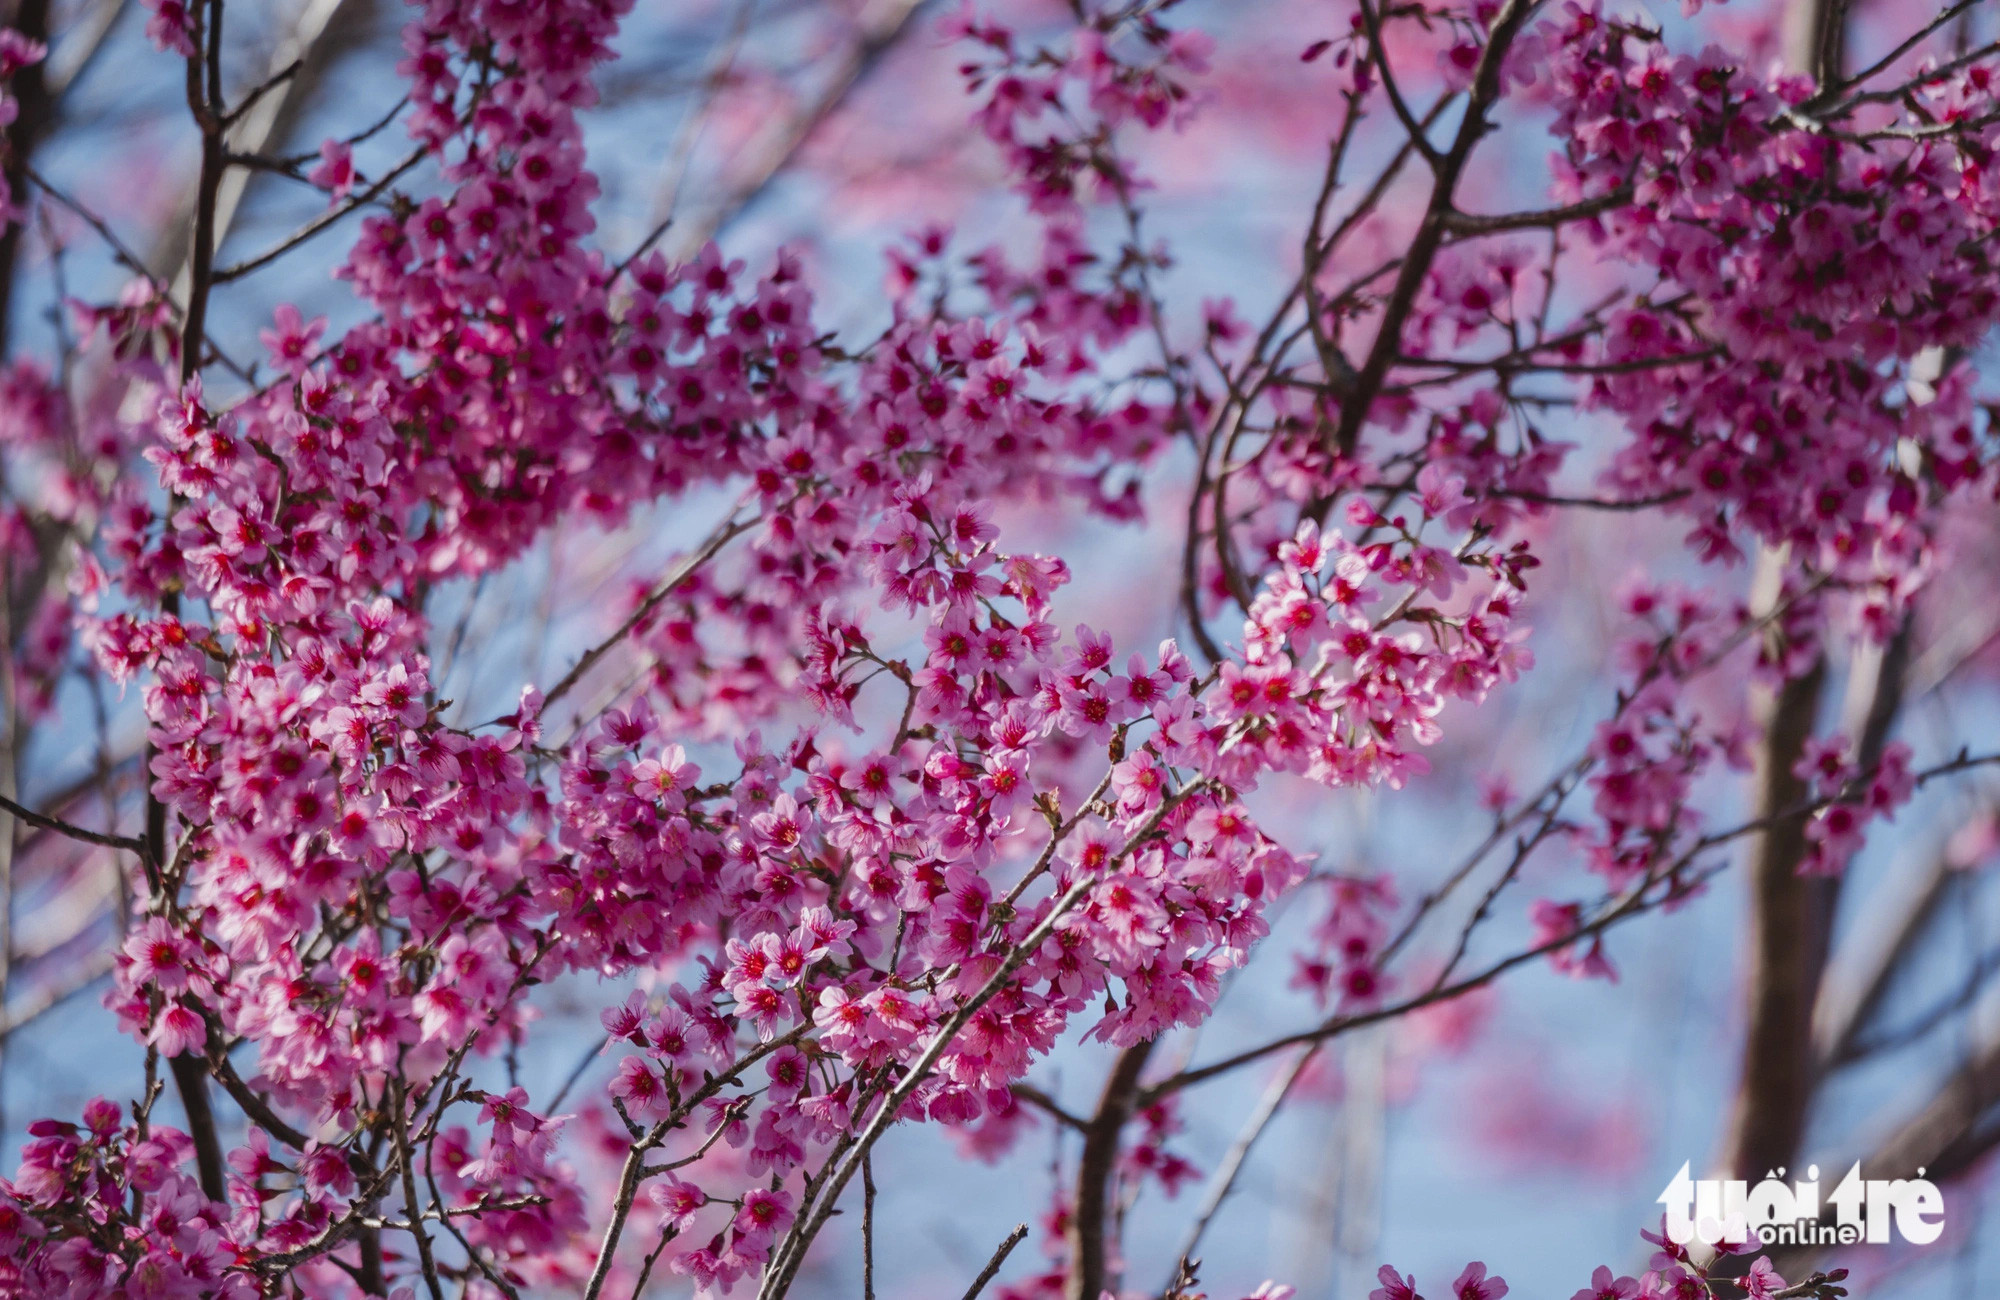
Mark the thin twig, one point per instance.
(721, 537)
(237, 270)
(1232, 1164)
(1006, 1248)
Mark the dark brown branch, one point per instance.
(1592, 503)
(1791, 916)
(193, 1086)
(252, 1105)
(204, 94)
(1866, 965)
(1970, 986)
(1089, 1214)
(327, 219)
(1944, 1138)
(1888, 60)
(629, 1178)
(1791, 919)
(1820, 1286)
(10, 757)
(1466, 223)
(1372, 23)
(867, 1228)
(1042, 1101)
(266, 115)
(399, 1128)
(95, 782)
(992, 1269)
(35, 111)
(1431, 230)
(31, 817)
(1640, 899)
(263, 88)
(204, 98)
(1930, 76)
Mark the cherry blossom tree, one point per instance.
(861, 811)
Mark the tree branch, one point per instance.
(35, 111)
(1431, 230)
(1226, 1174)
(790, 1254)
(1944, 1137)
(192, 1084)
(1465, 223)
(263, 117)
(204, 96)
(1372, 23)
(1791, 920)
(1867, 963)
(1635, 901)
(63, 828)
(987, 1274)
(1791, 915)
(1087, 1219)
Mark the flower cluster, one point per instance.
(108, 1206)
(1813, 261)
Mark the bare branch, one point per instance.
(1379, 54)
(721, 537)
(1899, 912)
(1042, 1101)
(262, 118)
(1232, 1164)
(992, 1269)
(1888, 60)
(1639, 899)
(1944, 1137)
(34, 113)
(1465, 223)
(63, 828)
(1791, 915)
(327, 219)
(1791, 924)
(1087, 1218)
